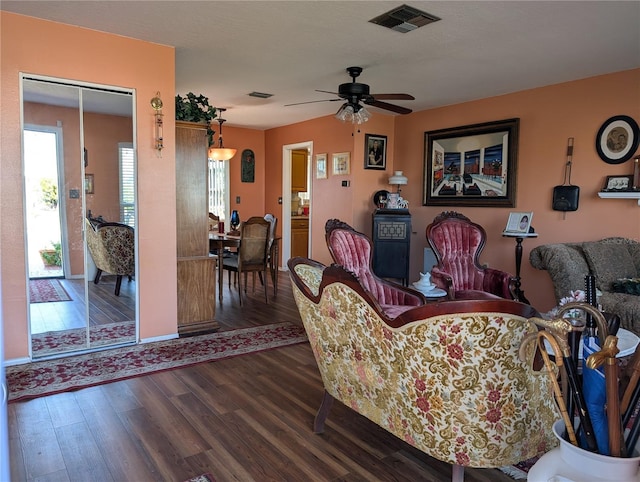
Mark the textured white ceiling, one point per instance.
(227, 49)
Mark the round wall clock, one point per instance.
(617, 139)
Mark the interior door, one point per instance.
(96, 167)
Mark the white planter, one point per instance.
(568, 463)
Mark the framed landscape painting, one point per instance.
(473, 165)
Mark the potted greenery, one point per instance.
(195, 108)
(52, 256)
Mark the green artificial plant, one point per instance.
(196, 108)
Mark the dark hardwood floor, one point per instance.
(247, 418)
(104, 306)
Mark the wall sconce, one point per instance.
(156, 103)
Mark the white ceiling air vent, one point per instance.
(404, 19)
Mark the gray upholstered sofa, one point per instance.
(609, 259)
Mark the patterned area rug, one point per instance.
(46, 290)
(41, 378)
(50, 342)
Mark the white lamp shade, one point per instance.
(398, 179)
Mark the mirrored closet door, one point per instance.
(80, 215)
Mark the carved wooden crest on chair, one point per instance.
(457, 243)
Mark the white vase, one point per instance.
(569, 463)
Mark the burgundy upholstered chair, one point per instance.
(457, 243)
(353, 250)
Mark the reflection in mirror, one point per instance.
(79, 162)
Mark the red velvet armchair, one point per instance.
(353, 250)
(457, 243)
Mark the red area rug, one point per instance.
(46, 290)
(41, 378)
(51, 342)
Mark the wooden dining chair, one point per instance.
(252, 254)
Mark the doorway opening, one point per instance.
(287, 168)
(45, 246)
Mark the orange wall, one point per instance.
(85, 55)
(548, 116)
(351, 204)
(252, 194)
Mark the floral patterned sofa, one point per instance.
(444, 377)
(608, 260)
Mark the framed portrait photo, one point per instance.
(518, 223)
(341, 163)
(321, 166)
(375, 151)
(618, 139)
(472, 165)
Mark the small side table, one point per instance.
(519, 238)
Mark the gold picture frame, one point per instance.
(321, 166)
(341, 163)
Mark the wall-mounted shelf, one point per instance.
(620, 195)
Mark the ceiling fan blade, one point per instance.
(392, 107)
(393, 97)
(327, 92)
(312, 102)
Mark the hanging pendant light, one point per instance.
(220, 153)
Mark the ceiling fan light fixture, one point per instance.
(345, 113)
(361, 116)
(354, 113)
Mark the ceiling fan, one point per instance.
(353, 93)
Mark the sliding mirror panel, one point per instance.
(79, 175)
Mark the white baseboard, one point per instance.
(17, 361)
(159, 338)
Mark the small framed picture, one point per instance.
(88, 184)
(321, 166)
(341, 163)
(375, 149)
(519, 223)
(618, 183)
